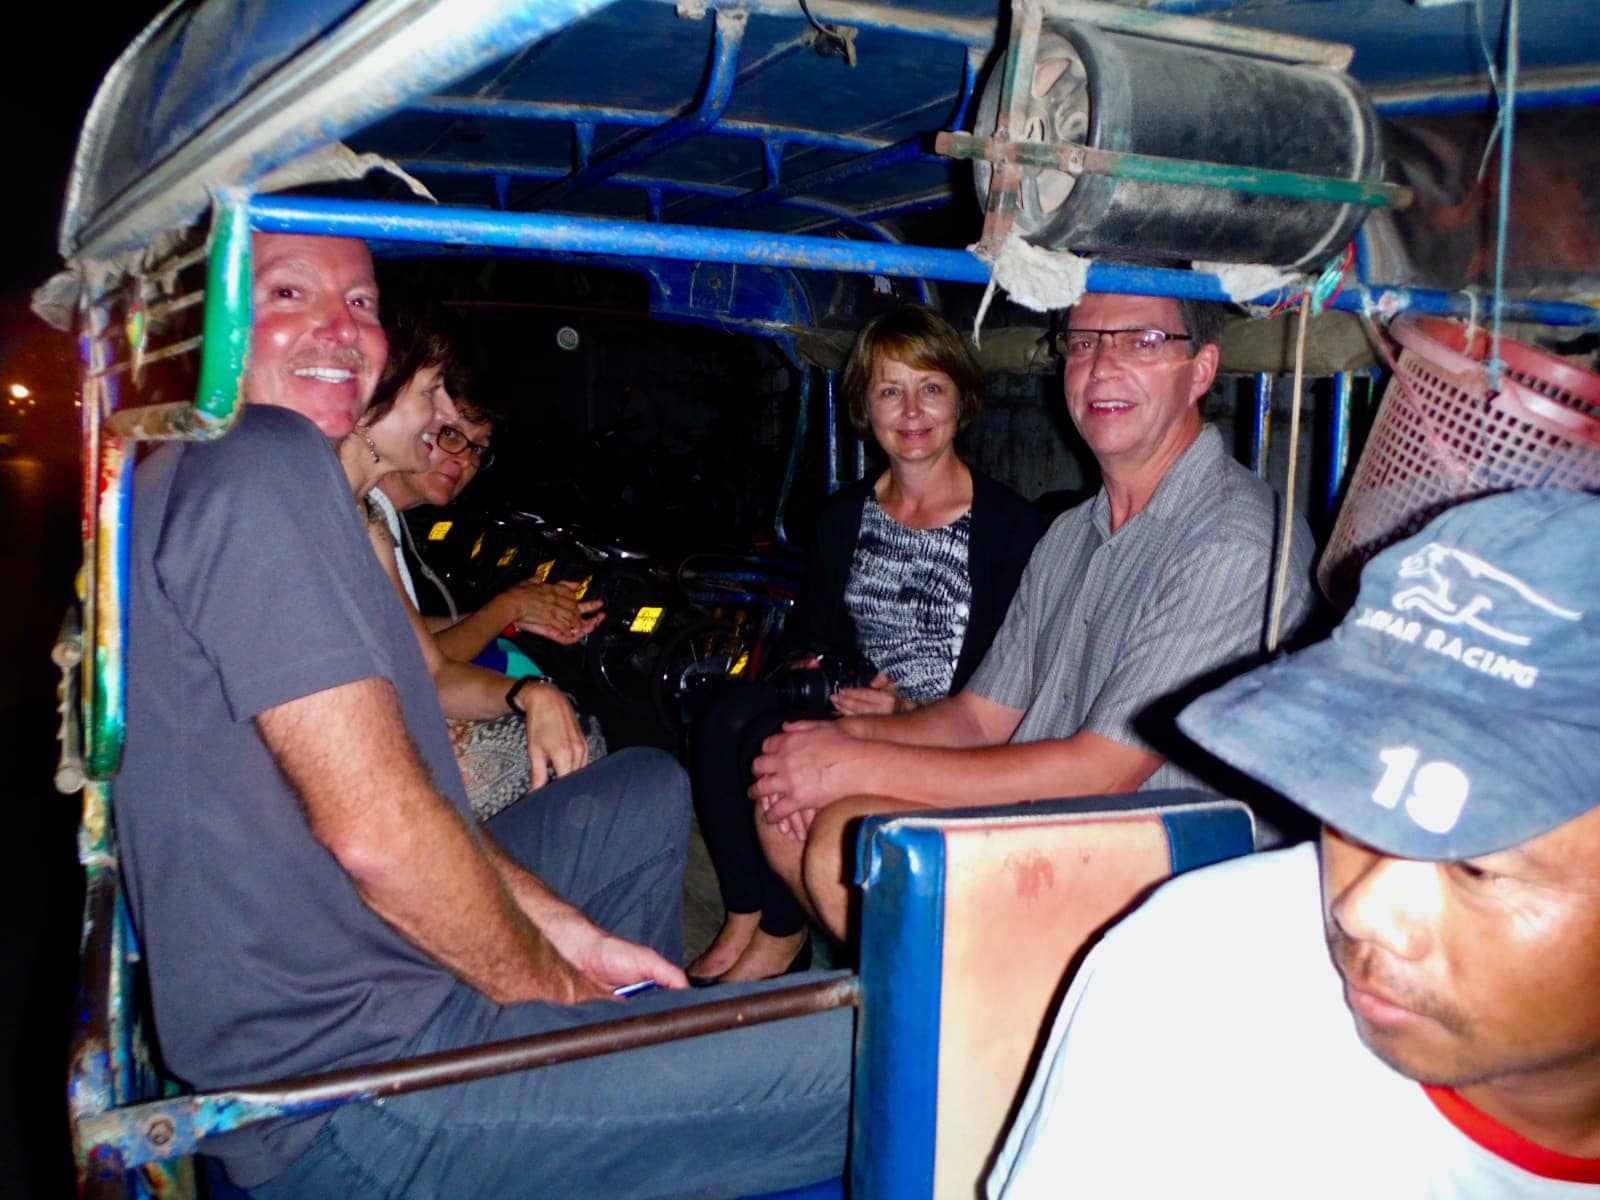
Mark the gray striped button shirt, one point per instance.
(1104, 625)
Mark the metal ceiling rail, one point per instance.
(909, 151)
(912, 149)
(390, 221)
(719, 191)
(1569, 88)
(727, 38)
(584, 114)
(541, 231)
(646, 183)
(966, 31)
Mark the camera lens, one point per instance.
(807, 689)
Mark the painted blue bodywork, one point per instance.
(713, 149)
(690, 122)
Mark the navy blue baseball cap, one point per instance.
(1456, 710)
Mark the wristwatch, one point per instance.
(524, 681)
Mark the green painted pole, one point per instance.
(1261, 181)
(226, 350)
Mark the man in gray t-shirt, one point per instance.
(304, 872)
(1157, 583)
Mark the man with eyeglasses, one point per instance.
(1130, 601)
(462, 448)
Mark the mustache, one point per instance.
(1365, 969)
(331, 356)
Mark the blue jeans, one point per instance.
(748, 1110)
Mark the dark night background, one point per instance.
(39, 548)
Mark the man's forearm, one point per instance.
(1082, 765)
(960, 722)
(410, 856)
(438, 888)
(536, 901)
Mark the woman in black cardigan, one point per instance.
(910, 572)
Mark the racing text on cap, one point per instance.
(1458, 590)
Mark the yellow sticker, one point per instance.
(476, 546)
(583, 587)
(740, 664)
(542, 571)
(507, 557)
(644, 621)
(440, 531)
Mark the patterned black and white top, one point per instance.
(909, 596)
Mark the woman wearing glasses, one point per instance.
(427, 349)
(510, 732)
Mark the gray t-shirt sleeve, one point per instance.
(259, 562)
(1204, 612)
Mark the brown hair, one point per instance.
(422, 336)
(1202, 319)
(920, 338)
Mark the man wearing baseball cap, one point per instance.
(1411, 1007)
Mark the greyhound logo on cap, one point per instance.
(1457, 588)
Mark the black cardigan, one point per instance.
(1004, 530)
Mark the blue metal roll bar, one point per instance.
(1530, 95)
(1261, 423)
(446, 226)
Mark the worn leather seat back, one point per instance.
(971, 923)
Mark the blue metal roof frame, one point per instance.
(252, 92)
(183, 70)
(698, 121)
(696, 118)
(1401, 45)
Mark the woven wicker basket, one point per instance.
(1441, 437)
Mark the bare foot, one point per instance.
(735, 934)
(765, 956)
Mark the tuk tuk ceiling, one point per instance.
(759, 117)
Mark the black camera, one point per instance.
(808, 688)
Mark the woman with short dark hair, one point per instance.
(509, 733)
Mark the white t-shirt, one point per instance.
(1205, 1050)
(380, 500)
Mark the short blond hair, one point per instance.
(919, 337)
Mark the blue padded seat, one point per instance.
(971, 922)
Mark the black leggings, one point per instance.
(727, 738)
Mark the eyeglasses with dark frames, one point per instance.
(1143, 345)
(452, 441)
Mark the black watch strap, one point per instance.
(522, 682)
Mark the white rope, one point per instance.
(1286, 527)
